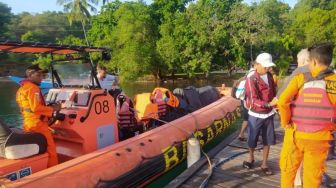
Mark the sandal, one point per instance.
(266, 171)
(248, 165)
(242, 139)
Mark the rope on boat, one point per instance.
(222, 161)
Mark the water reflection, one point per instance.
(9, 110)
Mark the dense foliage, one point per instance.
(180, 36)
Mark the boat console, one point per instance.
(90, 121)
(88, 112)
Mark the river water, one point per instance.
(9, 111)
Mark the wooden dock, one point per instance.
(232, 173)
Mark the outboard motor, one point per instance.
(17, 145)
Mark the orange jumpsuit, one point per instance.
(313, 147)
(35, 115)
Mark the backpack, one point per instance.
(238, 88)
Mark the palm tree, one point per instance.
(78, 10)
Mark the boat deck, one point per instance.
(232, 174)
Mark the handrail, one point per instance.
(83, 118)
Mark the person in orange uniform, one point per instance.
(307, 134)
(34, 110)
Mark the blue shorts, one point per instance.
(257, 125)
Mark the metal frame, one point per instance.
(53, 49)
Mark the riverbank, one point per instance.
(198, 76)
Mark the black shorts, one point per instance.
(257, 125)
(244, 111)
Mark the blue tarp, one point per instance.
(45, 84)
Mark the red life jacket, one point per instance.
(158, 98)
(125, 112)
(312, 110)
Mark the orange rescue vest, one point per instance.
(312, 110)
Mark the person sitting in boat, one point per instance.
(106, 81)
(34, 110)
(17, 145)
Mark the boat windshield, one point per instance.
(74, 74)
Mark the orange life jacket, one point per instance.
(164, 97)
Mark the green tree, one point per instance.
(244, 25)
(313, 21)
(5, 17)
(193, 38)
(166, 15)
(308, 5)
(45, 27)
(274, 38)
(71, 40)
(133, 40)
(103, 25)
(315, 26)
(79, 10)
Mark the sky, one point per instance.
(38, 6)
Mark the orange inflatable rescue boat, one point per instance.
(106, 140)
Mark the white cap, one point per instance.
(265, 60)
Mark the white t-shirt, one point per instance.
(108, 82)
(265, 78)
(251, 72)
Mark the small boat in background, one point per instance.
(46, 84)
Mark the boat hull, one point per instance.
(139, 160)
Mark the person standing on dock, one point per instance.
(309, 119)
(34, 110)
(260, 99)
(302, 61)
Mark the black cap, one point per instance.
(36, 68)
